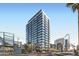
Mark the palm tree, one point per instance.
(75, 6)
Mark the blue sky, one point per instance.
(14, 17)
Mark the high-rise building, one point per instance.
(37, 30)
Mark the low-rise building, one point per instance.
(62, 44)
(17, 47)
(52, 46)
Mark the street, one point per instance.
(47, 54)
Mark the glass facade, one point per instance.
(37, 30)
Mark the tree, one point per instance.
(75, 6)
(28, 47)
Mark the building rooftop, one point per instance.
(40, 11)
